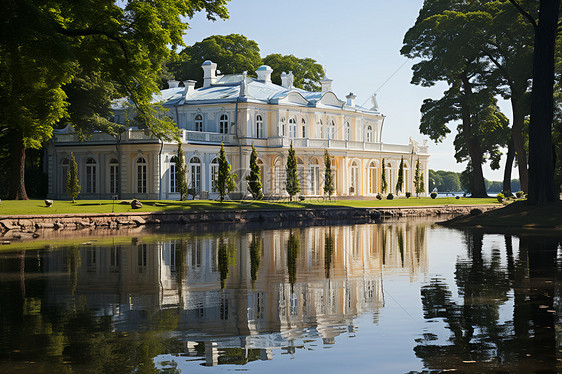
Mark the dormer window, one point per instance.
(199, 122)
(223, 124)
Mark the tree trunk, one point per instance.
(472, 143)
(519, 145)
(17, 167)
(506, 190)
(541, 163)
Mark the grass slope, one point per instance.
(516, 215)
(37, 207)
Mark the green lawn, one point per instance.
(37, 207)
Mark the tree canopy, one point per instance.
(307, 72)
(45, 44)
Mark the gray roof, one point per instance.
(227, 90)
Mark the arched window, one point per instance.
(223, 124)
(195, 174)
(292, 128)
(91, 171)
(173, 174)
(113, 176)
(303, 124)
(347, 131)
(281, 127)
(199, 122)
(314, 177)
(141, 175)
(354, 179)
(259, 126)
(64, 164)
(332, 130)
(372, 178)
(214, 173)
(369, 134)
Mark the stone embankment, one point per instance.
(18, 227)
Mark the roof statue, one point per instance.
(374, 102)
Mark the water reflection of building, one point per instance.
(254, 291)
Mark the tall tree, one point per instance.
(225, 180)
(254, 179)
(306, 71)
(328, 177)
(292, 183)
(44, 45)
(541, 160)
(417, 176)
(400, 179)
(448, 43)
(232, 53)
(72, 186)
(181, 173)
(384, 184)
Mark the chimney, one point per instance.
(209, 73)
(264, 74)
(189, 87)
(326, 84)
(287, 80)
(173, 83)
(351, 99)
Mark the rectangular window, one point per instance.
(113, 179)
(115, 259)
(141, 170)
(173, 176)
(90, 179)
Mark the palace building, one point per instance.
(238, 111)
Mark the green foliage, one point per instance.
(379, 197)
(390, 196)
(181, 173)
(226, 257)
(255, 257)
(72, 186)
(293, 250)
(46, 45)
(292, 183)
(384, 184)
(500, 197)
(254, 179)
(445, 181)
(433, 195)
(418, 179)
(232, 53)
(328, 251)
(422, 183)
(225, 180)
(400, 181)
(408, 194)
(306, 71)
(328, 177)
(450, 42)
(519, 194)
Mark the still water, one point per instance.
(394, 297)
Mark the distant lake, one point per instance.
(395, 297)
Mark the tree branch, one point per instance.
(89, 32)
(524, 13)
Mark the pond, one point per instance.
(403, 296)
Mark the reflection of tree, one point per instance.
(255, 257)
(226, 257)
(400, 235)
(181, 266)
(293, 249)
(476, 333)
(328, 251)
(526, 344)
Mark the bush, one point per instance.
(458, 197)
(379, 197)
(408, 194)
(520, 194)
(433, 195)
(390, 196)
(500, 197)
(301, 198)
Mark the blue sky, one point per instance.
(358, 43)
